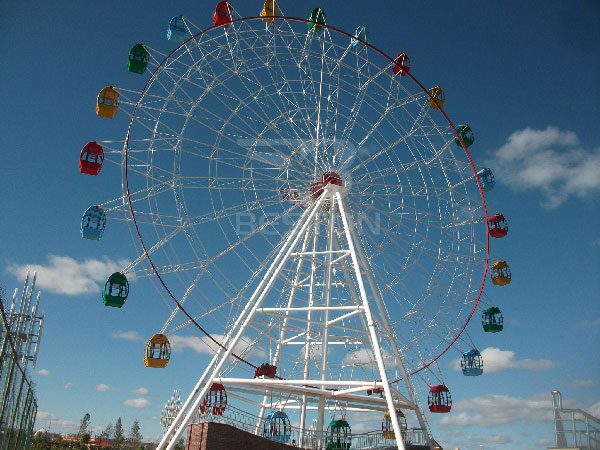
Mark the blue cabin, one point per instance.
(361, 33)
(486, 178)
(93, 223)
(177, 31)
(277, 427)
(472, 363)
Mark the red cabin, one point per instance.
(91, 158)
(222, 14)
(402, 64)
(265, 370)
(497, 226)
(215, 400)
(439, 399)
(316, 189)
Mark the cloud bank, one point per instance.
(496, 360)
(67, 276)
(551, 161)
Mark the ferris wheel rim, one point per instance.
(381, 53)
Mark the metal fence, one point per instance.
(18, 404)
(374, 440)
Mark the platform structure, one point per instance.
(574, 429)
(322, 249)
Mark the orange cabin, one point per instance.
(107, 102)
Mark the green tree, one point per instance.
(84, 438)
(118, 438)
(84, 424)
(107, 432)
(40, 441)
(135, 436)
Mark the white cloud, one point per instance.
(548, 160)
(105, 388)
(495, 410)
(44, 415)
(500, 438)
(583, 383)
(588, 323)
(58, 424)
(127, 335)
(67, 276)
(43, 372)
(496, 360)
(140, 403)
(544, 442)
(206, 346)
(68, 386)
(141, 391)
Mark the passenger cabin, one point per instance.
(500, 273)
(486, 179)
(317, 20)
(158, 351)
(471, 363)
(466, 134)
(222, 14)
(362, 34)
(498, 226)
(270, 11)
(339, 435)
(177, 31)
(116, 290)
(401, 64)
(388, 429)
(91, 158)
(215, 401)
(277, 427)
(93, 223)
(138, 59)
(492, 320)
(439, 399)
(438, 98)
(107, 102)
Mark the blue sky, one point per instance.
(523, 75)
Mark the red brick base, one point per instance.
(218, 436)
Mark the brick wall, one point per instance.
(218, 436)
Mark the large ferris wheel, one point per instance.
(308, 209)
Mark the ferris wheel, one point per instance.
(308, 210)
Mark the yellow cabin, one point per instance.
(271, 8)
(439, 98)
(158, 351)
(387, 427)
(500, 273)
(108, 102)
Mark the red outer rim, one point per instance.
(391, 60)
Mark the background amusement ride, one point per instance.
(311, 212)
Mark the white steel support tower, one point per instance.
(330, 312)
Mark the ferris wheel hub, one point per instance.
(318, 187)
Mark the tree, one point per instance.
(40, 441)
(84, 424)
(134, 434)
(118, 434)
(84, 438)
(107, 432)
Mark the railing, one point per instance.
(582, 431)
(374, 440)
